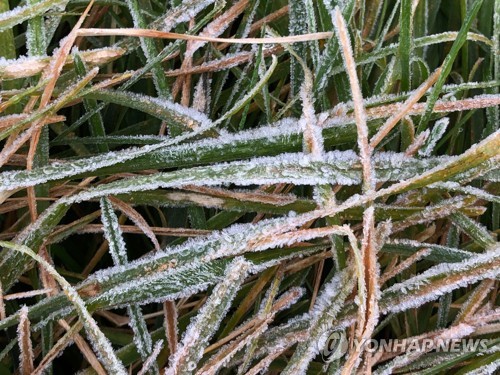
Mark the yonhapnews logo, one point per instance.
(336, 345)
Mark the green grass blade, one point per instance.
(23, 13)
(100, 342)
(118, 251)
(405, 44)
(448, 63)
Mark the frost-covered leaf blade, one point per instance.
(101, 344)
(208, 319)
(113, 234)
(23, 13)
(328, 305)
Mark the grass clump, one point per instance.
(249, 187)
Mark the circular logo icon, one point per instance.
(335, 347)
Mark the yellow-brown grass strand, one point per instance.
(52, 72)
(58, 348)
(357, 98)
(366, 324)
(414, 258)
(2, 304)
(213, 29)
(404, 109)
(137, 219)
(475, 301)
(85, 349)
(170, 322)
(25, 347)
(147, 33)
(187, 79)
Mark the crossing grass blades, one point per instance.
(228, 187)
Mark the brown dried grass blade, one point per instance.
(146, 33)
(170, 313)
(389, 274)
(58, 348)
(223, 63)
(254, 328)
(473, 303)
(85, 349)
(365, 150)
(368, 315)
(157, 231)
(52, 72)
(31, 293)
(406, 107)
(24, 339)
(151, 359)
(137, 219)
(442, 106)
(213, 29)
(2, 304)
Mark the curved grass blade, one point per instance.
(101, 344)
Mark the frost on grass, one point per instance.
(36, 34)
(184, 12)
(436, 133)
(21, 67)
(100, 343)
(24, 339)
(113, 234)
(463, 273)
(172, 284)
(151, 361)
(167, 276)
(164, 109)
(282, 336)
(328, 305)
(365, 149)
(167, 154)
(64, 169)
(437, 253)
(196, 254)
(161, 153)
(469, 190)
(455, 332)
(475, 230)
(441, 209)
(24, 66)
(207, 321)
(313, 136)
(291, 168)
(216, 27)
(149, 282)
(338, 167)
(487, 369)
(22, 13)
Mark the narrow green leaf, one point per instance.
(405, 43)
(7, 46)
(149, 49)
(23, 13)
(95, 121)
(118, 251)
(476, 231)
(448, 64)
